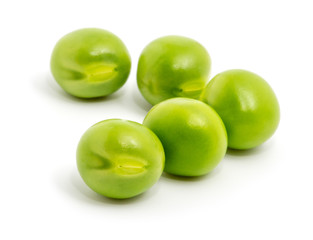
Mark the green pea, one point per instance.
(90, 63)
(172, 66)
(119, 158)
(247, 105)
(193, 135)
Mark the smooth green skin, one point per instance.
(193, 135)
(90, 63)
(119, 158)
(247, 105)
(172, 66)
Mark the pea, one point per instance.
(247, 104)
(119, 158)
(193, 135)
(90, 63)
(172, 66)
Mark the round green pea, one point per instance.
(193, 135)
(172, 66)
(119, 158)
(247, 105)
(90, 63)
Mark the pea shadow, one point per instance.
(248, 153)
(177, 178)
(183, 178)
(240, 153)
(45, 84)
(72, 185)
(140, 101)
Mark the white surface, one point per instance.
(265, 193)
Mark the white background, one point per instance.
(265, 193)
